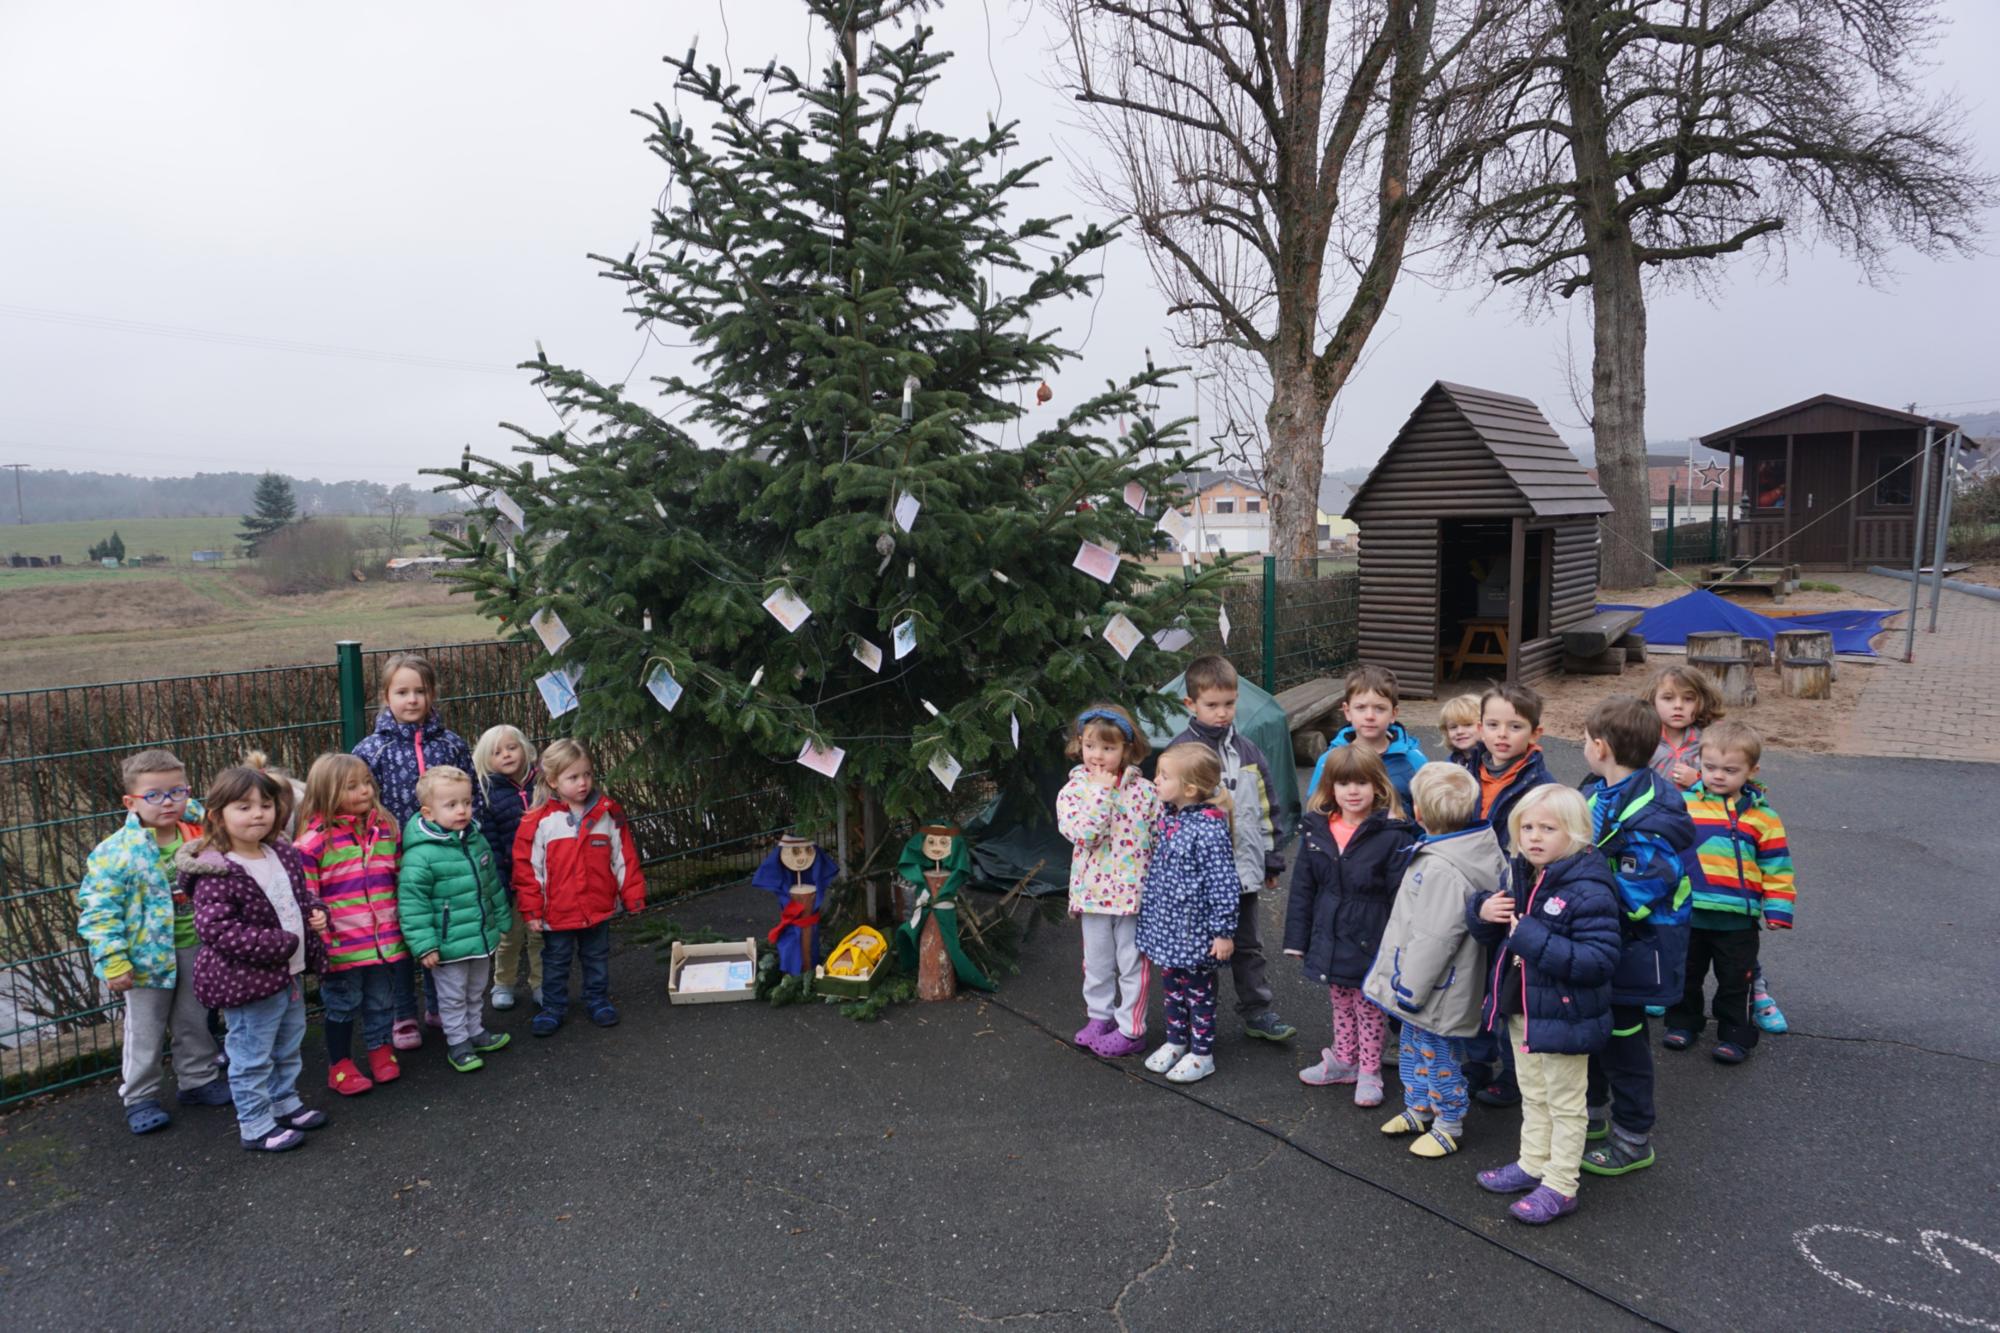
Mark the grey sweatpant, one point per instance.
(1114, 972)
(461, 988)
(151, 1012)
(1246, 964)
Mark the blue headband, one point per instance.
(1104, 715)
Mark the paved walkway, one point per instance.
(1945, 704)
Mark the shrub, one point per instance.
(306, 557)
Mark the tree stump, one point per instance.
(1806, 678)
(1718, 643)
(1758, 652)
(1307, 747)
(1634, 646)
(1818, 643)
(936, 978)
(1732, 676)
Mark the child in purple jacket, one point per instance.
(261, 931)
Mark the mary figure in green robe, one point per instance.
(937, 863)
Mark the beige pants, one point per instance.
(507, 963)
(1553, 1118)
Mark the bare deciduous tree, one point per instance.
(1651, 140)
(1276, 156)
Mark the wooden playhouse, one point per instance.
(1478, 543)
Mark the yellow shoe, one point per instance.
(1406, 1122)
(1434, 1143)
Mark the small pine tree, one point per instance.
(111, 548)
(837, 268)
(276, 509)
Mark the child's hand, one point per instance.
(119, 984)
(1270, 881)
(534, 925)
(317, 921)
(1683, 776)
(1498, 909)
(431, 958)
(1097, 777)
(1222, 948)
(1770, 924)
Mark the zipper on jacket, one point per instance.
(477, 896)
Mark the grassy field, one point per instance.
(84, 626)
(173, 538)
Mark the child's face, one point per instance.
(159, 799)
(408, 700)
(1542, 840)
(1462, 735)
(1507, 734)
(508, 757)
(1677, 705)
(576, 782)
(450, 806)
(1172, 790)
(1725, 772)
(1354, 799)
(1370, 715)
(250, 818)
(1102, 753)
(357, 795)
(1213, 707)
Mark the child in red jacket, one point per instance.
(574, 861)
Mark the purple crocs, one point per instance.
(1115, 1045)
(1087, 1035)
(1542, 1207)
(1508, 1179)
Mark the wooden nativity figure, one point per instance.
(937, 862)
(797, 871)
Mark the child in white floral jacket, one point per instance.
(1106, 810)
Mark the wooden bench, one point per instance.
(1594, 636)
(1308, 708)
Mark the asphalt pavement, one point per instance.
(735, 1166)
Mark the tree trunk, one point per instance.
(1618, 312)
(1296, 422)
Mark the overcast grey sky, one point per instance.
(423, 181)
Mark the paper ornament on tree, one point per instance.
(1014, 728)
(1222, 623)
(1172, 640)
(786, 608)
(946, 770)
(509, 510)
(906, 512)
(825, 762)
(868, 655)
(558, 692)
(1099, 562)
(1123, 635)
(1174, 523)
(549, 628)
(1135, 496)
(660, 683)
(905, 638)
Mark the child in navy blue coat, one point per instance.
(1187, 907)
(1556, 944)
(1353, 845)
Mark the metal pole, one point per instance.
(1917, 549)
(1270, 624)
(353, 693)
(1943, 524)
(1715, 525)
(1670, 525)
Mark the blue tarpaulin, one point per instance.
(1671, 622)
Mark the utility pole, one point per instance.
(20, 514)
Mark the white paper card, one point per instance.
(905, 641)
(1222, 623)
(1174, 523)
(946, 770)
(1014, 728)
(1123, 635)
(558, 692)
(906, 512)
(548, 627)
(1096, 561)
(660, 683)
(868, 655)
(1135, 497)
(722, 975)
(786, 608)
(1172, 640)
(505, 504)
(826, 763)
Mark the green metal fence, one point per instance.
(1695, 531)
(59, 796)
(1290, 621)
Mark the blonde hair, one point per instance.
(557, 757)
(489, 741)
(1201, 769)
(440, 775)
(1354, 763)
(326, 782)
(1446, 796)
(1460, 711)
(1708, 699)
(1571, 814)
(1128, 736)
(1726, 738)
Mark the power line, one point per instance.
(20, 514)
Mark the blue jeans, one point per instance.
(591, 948)
(406, 989)
(263, 1045)
(368, 991)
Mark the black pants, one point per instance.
(1622, 1073)
(1733, 956)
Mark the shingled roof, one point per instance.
(1466, 451)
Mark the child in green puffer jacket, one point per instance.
(453, 909)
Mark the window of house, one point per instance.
(1215, 541)
(1767, 489)
(1325, 532)
(1253, 506)
(1225, 506)
(1892, 480)
(1658, 523)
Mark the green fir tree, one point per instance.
(276, 509)
(872, 324)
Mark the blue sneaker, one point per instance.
(604, 1015)
(546, 1023)
(1656, 1011)
(1267, 1026)
(215, 1092)
(1764, 1011)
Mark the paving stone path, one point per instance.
(1945, 704)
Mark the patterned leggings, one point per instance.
(1357, 1030)
(1190, 1006)
(1433, 1074)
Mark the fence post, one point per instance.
(1270, 624)
(1670, 525)
(1714, 526)
(353, 693)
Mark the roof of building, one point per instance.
(1823, 413)
(1525, 458)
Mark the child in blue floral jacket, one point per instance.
(1187, 909)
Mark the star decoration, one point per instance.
(1712, 476)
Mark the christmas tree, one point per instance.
(276, 507)
(859, 537)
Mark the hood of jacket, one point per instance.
(420, 830)
(1474, 852)
(1401, 743)
(197, 858)
(1645, 802)
(1754, 796)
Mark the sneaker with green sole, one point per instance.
(464, 1059)
(485, 1043)
(1617, 1156)
(1267, 1026)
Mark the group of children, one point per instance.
(413, 850)
(1520, 933)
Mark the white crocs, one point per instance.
(1191, 1069)
(1165, 1058)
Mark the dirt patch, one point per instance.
(59, 611)
(1803, 602)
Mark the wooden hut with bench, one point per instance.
(1478, 543)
